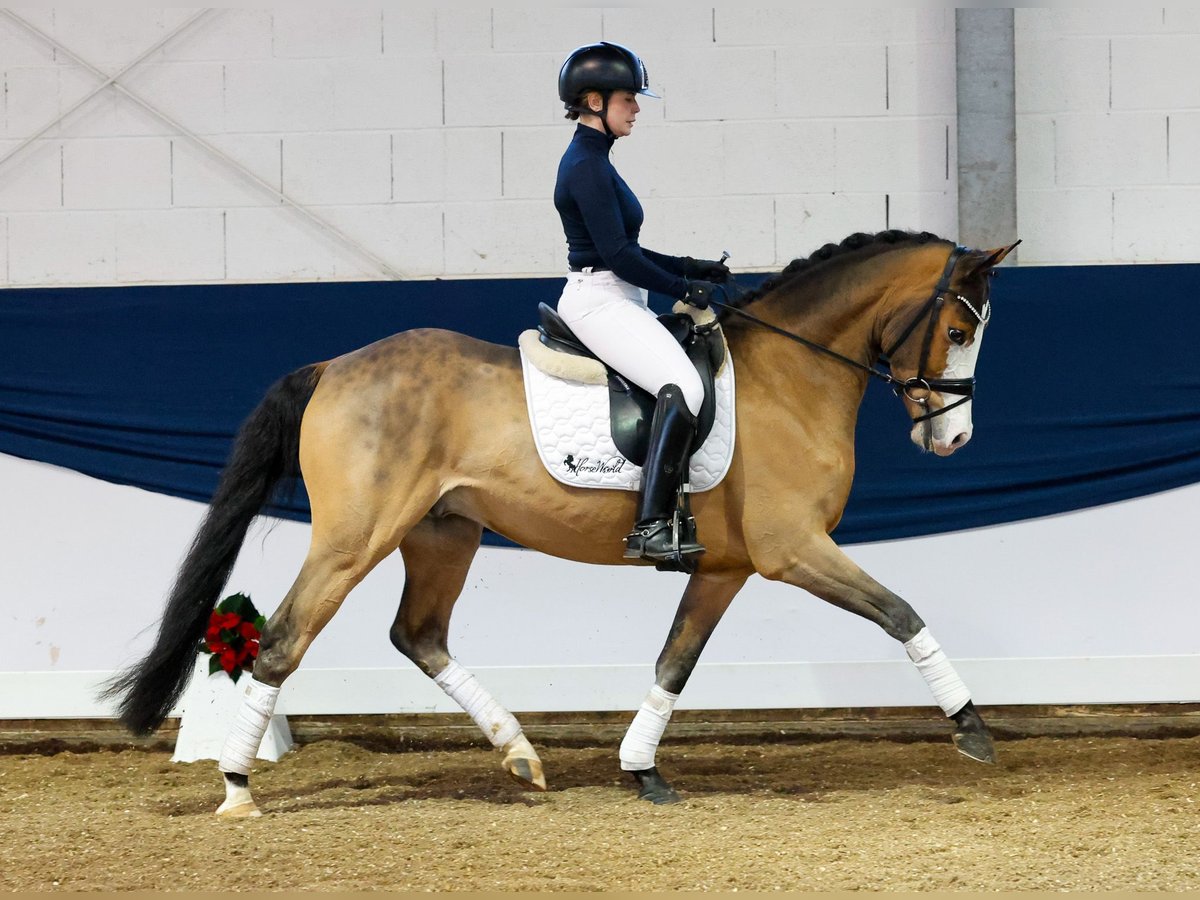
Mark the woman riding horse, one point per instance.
(604, 301)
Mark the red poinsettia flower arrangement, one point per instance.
(232, 637)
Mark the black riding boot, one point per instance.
(671, 432)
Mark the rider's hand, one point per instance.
(706, 269)
(700, 294)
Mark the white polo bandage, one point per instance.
(253, 717)
(948, 689)
(641, 740)
(496, 722)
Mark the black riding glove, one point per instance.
(700, 294)
(706, 269)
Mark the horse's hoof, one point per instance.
(972, 738)
(247, 809)
(526, 772)
(978, 747)
(653, 787)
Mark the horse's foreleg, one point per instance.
(828, 573)
(325, 579)
(437, 555)
(704, 602)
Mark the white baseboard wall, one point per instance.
(593, 688)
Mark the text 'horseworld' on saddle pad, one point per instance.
(570, 421)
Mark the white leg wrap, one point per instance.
(641, 740)
(496, 722)
(254, 714)
(948, 689)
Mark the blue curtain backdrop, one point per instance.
(1087, 390)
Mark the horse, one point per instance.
(421, 440)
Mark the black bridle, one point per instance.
(962, 387)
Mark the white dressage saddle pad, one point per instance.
(569, 414)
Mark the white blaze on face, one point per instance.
(953, 429)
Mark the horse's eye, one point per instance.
(958, 336)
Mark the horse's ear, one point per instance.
(989, 259)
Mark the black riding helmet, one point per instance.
(603, 67)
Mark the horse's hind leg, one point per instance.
(329, 572)
(824, 570)
(437, 554)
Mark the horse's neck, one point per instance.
(839, 310)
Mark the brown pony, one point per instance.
(421, 440)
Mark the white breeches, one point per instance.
(613, 320)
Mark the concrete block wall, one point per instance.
(1108, 134)
(431, 136)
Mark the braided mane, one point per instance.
(883, 240)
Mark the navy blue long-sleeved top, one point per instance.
(602, 218)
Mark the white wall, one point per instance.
(1089, 607)
(432, 136)
(1108, 134)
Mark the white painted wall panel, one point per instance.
(347, 167)
(778, 157)
(529, 153)
(199, 179)
(170, 245)
(316, 32)
(501, 238)
(744, 226)
(30, 100)
(842, 80)
(805, 222)
(1184, 148)
(411, 235)
(50, 248)
(191, 94)
(396, 92)
(1065, 226)
(20, 48)
(935, 211)
(1060, 74)
(269, 243)
(32, 180)
(717, 83)
(224, 35)
(499, 89)
(546, 28)
(1111, 149)
(1157, 223)
(1155, 72)
(669, 162)
(281, 95)
(1036, 159)
(658, 29)
(1105, 102)
(409, 31)
(125, 173)
(894, 154)
(464, 100)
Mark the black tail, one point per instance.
(266, 450)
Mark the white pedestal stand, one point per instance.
(209, 707)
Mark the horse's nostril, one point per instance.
(959, 439)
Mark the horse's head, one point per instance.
(932, 345)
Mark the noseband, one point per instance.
(963, 387)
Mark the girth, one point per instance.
(630, 407)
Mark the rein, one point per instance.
(932, 307)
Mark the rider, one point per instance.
(605, 301)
